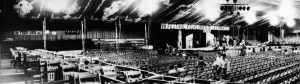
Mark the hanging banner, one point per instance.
(28, 32)
(193, 27)
(73, 32)
(296, 31)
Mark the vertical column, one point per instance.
(120, 35)
(120, 29)
(116, 30)
(282, 33)
(148, 31)
(238, 32)
(233, 31)
(254, 31)
(146, 35)
(179, 43)
(84, 32)
(0, 58)
(82, 35)
(247, 35)
(269, 37)
(44, 33)
(116, 37)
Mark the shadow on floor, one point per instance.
(13, 78)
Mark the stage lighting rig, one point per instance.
(234, 8)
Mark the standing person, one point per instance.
(224, 67)
(216, 42)
(197, 44)
(183, 54)
(221, 65)
(201, 63)
(227, 38)
(216, 64)
(223, 40)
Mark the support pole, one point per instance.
(282, 31)
(44, 33)
(82, 35)
(84, 32)
(120, 35)
(238, 33)
(146, 35)
(254, 31)
(148, 32)
(179, 43)
(0, 58)
(116, 32)
(120, 29)
(233, 31)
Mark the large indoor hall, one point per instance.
(149, 42)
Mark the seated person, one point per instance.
(270, 49)
(97, 68)
(295, 50)
(180, 68)
(183, 54)
(172, 71)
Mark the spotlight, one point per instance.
(234, 1)
(231, 12)
(238, 13)
(240, 8)
(222, 8)
(225, 8)
(248, 8)
(230, 8)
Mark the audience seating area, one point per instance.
(147, 66)
(287, 40)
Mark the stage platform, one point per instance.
(212, 48)
(235, 50)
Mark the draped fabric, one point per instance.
(95, 34)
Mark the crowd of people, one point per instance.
(226, 40)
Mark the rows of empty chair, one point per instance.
(48, 67)
(147, 66)
(287, 40)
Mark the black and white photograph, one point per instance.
(149, 42)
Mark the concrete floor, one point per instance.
(10, 75)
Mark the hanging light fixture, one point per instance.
(238, 13)
(240, 8)
(234, 8)
(234, 1)
(248, 8)
(222, 8)
(231, 12)
(244, 8)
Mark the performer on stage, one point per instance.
(223, 40)
(227, 38)
(197, 44)
(216, 43)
